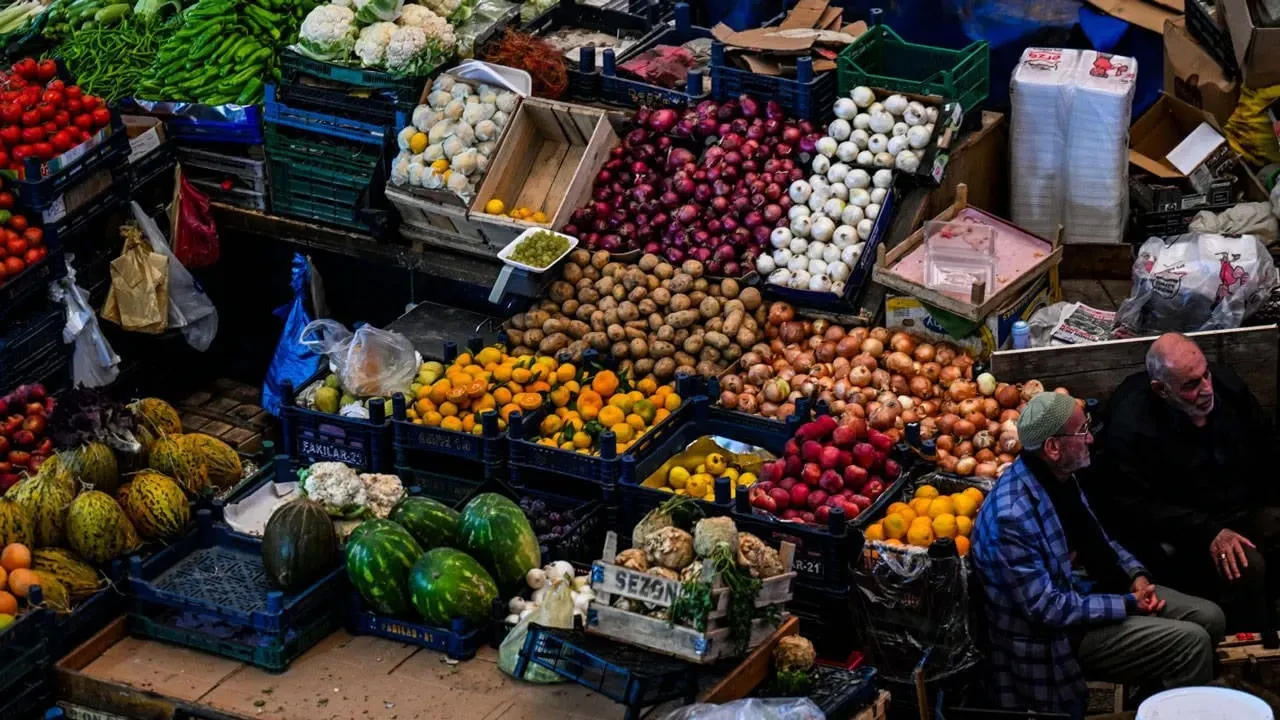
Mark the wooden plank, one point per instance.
(513, 159)
(536, 186)
(742, 680)
(602, 140)
(1094, 370)
(879, 709)
(675, 640)
(979, 161)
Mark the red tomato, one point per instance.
(32, 135)
(11, 135)
(74, 106)
(20, 153)
(18, 223)
(6, 198)
(50, 127)
(73, 92)
(44, 150)
(42, 251)
(46, 111)
(16, 247)
(25, 67)
(32, 256)
(101, 117)
(84, 121)
(46, 70)
(62, 118)
(56, 85)
(63, 141)
(30, 118)
(4, 158)
(14, 265)
(53, 97)
(33, 236)
(90, 102)
(31, 94)
(11, 113)
(85, 135)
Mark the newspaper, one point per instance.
(1083, 324)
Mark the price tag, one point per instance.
(57, 210)
(143, 144)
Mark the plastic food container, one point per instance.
(500, 285)
(959, 256)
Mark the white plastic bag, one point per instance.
(555, 611)
(189, 308)
(94, 363)
(369, 362)
(751, 709)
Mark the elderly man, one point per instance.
(1049, 628)
(1184, 467)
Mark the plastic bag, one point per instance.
(556, 611)
(94, 363)
(369, 362)
(751, 709)
(195, 235)
(372, 11)
(1253, 218)
(189, 308)
(292, 360)
(487, 16)
(1197, 281)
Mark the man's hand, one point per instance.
(1148, 602)
(1228, 553)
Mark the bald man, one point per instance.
(1183, 465)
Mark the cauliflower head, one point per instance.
(432, 24)
(383, 492)
(411, 52)
(328, 33)
(334, 485)
(371, 46)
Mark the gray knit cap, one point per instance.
(1043, 417)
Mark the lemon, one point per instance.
(678, 477)
(418, 143)
(440, 165)
(494, 207)
(746, 479)
(539, 217)
(732, 474)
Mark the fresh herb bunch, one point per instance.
(692, 605)
(85, 415)
(743, 591)
(791, 683)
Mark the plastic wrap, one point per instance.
(95, 363)
(487, 17)
(369, 362)
(1197, 281)
(556, 611)
(195, 241)
(1040, 89)
(192, 113)
(1239, 219)
(1097, 160)
(189, 307)
(750, 709)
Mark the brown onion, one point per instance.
(729, 400)
(838, 406)
(928, 427)
(978, 419)
(820, 325)
(812, 342)
(1004, 458)
(866, 361)
(1031, 388)
(931, 370)
(948, 464)
(860, 376)
(750, 358)
(920, 387)
(949, 374)
(732, 383)
(880, 334)
(781, 312)
(1009, 416)
(970, 406)
(909, 416)
(1007, 395)
(985, 470)
(860, 334)
(925, 353)
(962, 390)
(848, 346)
(792, 332)
(747, 403)
(899, 385)
(966, 466)
(983, 440)
(1008, 444)
(873, 347)
(758, 374)
(898, 362)
(882, 418)
(803, 362)
(857, 411)
(786, 410)
(945, 442)
(964, 448)
(835, 333)
(929, 407)
(945, 354)
(984, 456)
(826, 352)
(990, 408)
(768, 409)
(947, 423)
(880, 379)
(902, 342)
(963, 429)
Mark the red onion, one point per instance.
(669, 199)
(687, 214)
(772, 127)
(783, 150)
(761, 234)
(713, 225)
(684, 187)
(601, 194)
(753, 219)
(740, 126)
(701, 253)
(750, 166)
(721, 188)
(773, 191)
(750, 107)
(772, 213)
(662, 120)
(702, 193)
(741, 204)
(678, 157)
(707, 127)
(755, 132)
(791, 134)
(774, 111)
(675, 256)
(796, 174)
(600, 225)
(758, 200)
(715, 267)
(570, 229)
(733, 269)
(706, 107)
(653, 248)
(604, 177)
(720, 204)
(729, 224)
(663, 142)
(617, 152)
(806, 127)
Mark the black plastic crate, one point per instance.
(840, 693)
(825, 619)
(372, 105)
(311, 436)
(631, 92)
(43, 183)
(807, 96)
(584, 523)
(451, 481)
(156, 164)
(17, 291)
(584, 81)
(25, 645)
(1205, 25)
(25, 337)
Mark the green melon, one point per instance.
(98, 529)
(432, 524)
(45, 498)
(369, 526)
(299, 545)
(378, 564)
(495, 531)
(446, 583)
(95, 466)
(156, 505)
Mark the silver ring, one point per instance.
(1223, 556)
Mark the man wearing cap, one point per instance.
(1185, 480)
(1034, 539)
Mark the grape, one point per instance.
(540, 249)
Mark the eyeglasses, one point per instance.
(1084, 431)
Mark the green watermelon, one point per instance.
(432, 524)
(379, 525)
(378, 563)
(447, 583)
(495, 531)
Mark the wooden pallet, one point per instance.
(230, 412)
(1245, 659)
(879, 709)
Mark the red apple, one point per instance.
(763, 501)
(864, 454)
(45, 447)
(830, 457)
(34, 408)
(799, 494)
(855, 475)
(879, 440)
(891, 468)
(826, 426)
(764, 486)
(787, 483)
(4, 405)
(8, 480)
(5, 467)
(844, 436)
(781, 497)
(790, 514)
(873, 489)
(4, 446)
(811, 451)
(792, 468)
(821, 514)
(846, 493)
(24, 439)
(807, 517)
(19, 458)
(811, 473)
(12, 425)
(772, 471)
(34, 392)
(791, 448)
(862, 501)
(846, 459)
(35, 423)
(36, 461)
(816, 498)
(850, 510)
(831, 481)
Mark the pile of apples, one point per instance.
(825, 466)
(24, 444)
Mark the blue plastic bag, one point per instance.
(292, 361)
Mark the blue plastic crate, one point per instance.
(217, 572)
(628, 92)
(859, 278)
(332, 125)
(808, 96)
(44, 183)
(216, 636)
(25, 645)
(584, 81)
(311, 436)
(244, 128)
(459, 641)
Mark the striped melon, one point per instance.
(56, 595)
(169, 457)
(157, 506)
(495, 531)
(46, 497)
(447, 584)
(80, 579)
(378, 564)
(98, 528)
(157, 415)
(94, 465)
(221, 464)
(16, 525)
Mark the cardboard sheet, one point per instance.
(1147, 15)
(1193, 76)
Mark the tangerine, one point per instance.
(15, 556)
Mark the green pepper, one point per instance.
(4, 216)
(111, 13)
(251, 91)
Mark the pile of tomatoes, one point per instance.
(21, 245)
(41, 116)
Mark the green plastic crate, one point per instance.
(295, 146)
(879, 58)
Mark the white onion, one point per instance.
(816, 200)
(817, 266)
(837, 288)
(929, 127)
(817, 181)
(895, 104)
(877, 195)
(873, 211)
(765, 265)
(823, 228)
(849, 256)
(864, 228)
(861, 121)
(839, 271)
(857, 178)
(780, 237)
(874, 108)
(931, 114)
(782, 256)
(878, 143)
(882, 178)
(881, 122)
(820, 283)
(816, 247)
(781, 276)
(896, 145)
(831, 253)
(821, 164)
(799, 191)
(839, 129)
(859, 138)
(797, 262)
(884, 159)
(900, 128)
(866, 157)
(845, 108)
(800, 279)
(837, 172)
(847, 150)
(833, 207)
(826, 146)
(798, 246)
(918, 137)
(862, 96)
(798, 211)
(839, 190)
(851, 215)
(844, 236)
(859, 197)
(907, 161)
(913, 118)
(800, 226)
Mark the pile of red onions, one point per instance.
(655, 193)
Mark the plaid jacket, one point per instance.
(1020, 550)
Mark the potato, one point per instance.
(518, 322)
(521, 351)
(590, 273)
(745, 338)
(616, 332)
(652, 282)
(732, 322)
(713, 324)
(575, 350)
(717, 340)
(693, 344)
(639, 348)
(607, 303)
(679, 302)
(696, 297)
(604, 285)
(751, 298)
(596, 318)
(657, 323)
(664, 368)
(570, 307)
(611, 316)
(709, 307)
(714, 291)
(683, 318)
(638, 293)
(731, 353)
(681, 335)
(749, 323)
(684, 359)
(619, 293)
(643, 367)
(578, 329)
(701, 284)
(729, 288)
(665, 332)
(761, 315)
(555, 325)
(628, 311)
(597, 341)
(709, 353)
(632, 278)
(572, 273)
(620, 350)
(560, 291)
(729, 306)
(664, 271)
(707, 368)
(535, 318)
(549, 307)
(661, 349)
(648, 262)
(533, 336)
(551, 343)
(681, 283)
(515, 337)
(580, 257)
(647, 306)
(585, 312)
(611, 270)
(661, 296)
(588, 295)
(691, 267)
(637, 329)
(599, 259)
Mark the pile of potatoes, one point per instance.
(655, 318)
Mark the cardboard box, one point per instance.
(909, 313)
(1193, 76)
(1148, 15)
(146, 135)
(1167, 124)
(1257, 48)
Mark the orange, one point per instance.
(486, 402)
(965, 505)
(660, 415)
(875, 531)
(502, 373)
(920, 536)
(647, 386)
(894, 542)
(941, 506)
(645, 410)
(671, 402)
(962, 545)
(581, 440)
(622, 402)
(21, 580)
(15, 556)
(945, 526)
(566, 372)
(447, 409)
(469, 422)
(4, 578)
(605, 383)
(926, 491)
(451, 423)
(636, 421)
(561, 396)
(902, 509)
(8, 604)
(895, 526)
(489, 355)
(521, 375)
(424, 406)
(623, 433)
(611, 415)
(462, 360)
(975, 493)
(439, 392)
(551, 425)
(423, 392)
(502, 396)
(963, 526)
(921, 506)
(432, 419)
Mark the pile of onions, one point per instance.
(886, 379)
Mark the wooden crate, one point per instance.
(1246, 660)
(230, 412)
(438, 223)
(608, 580)
(980, 303)
(547, 161)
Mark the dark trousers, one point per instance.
(1248, 601)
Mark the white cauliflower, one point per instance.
(412, 52)
(449, 8)
(383, 491)
(431, 23)
(328, 33)
(334, 485)
(371, 46)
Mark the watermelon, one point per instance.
(378, 563)
(447, 583)
(378, 525)
(495, 531)
(432, 524)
